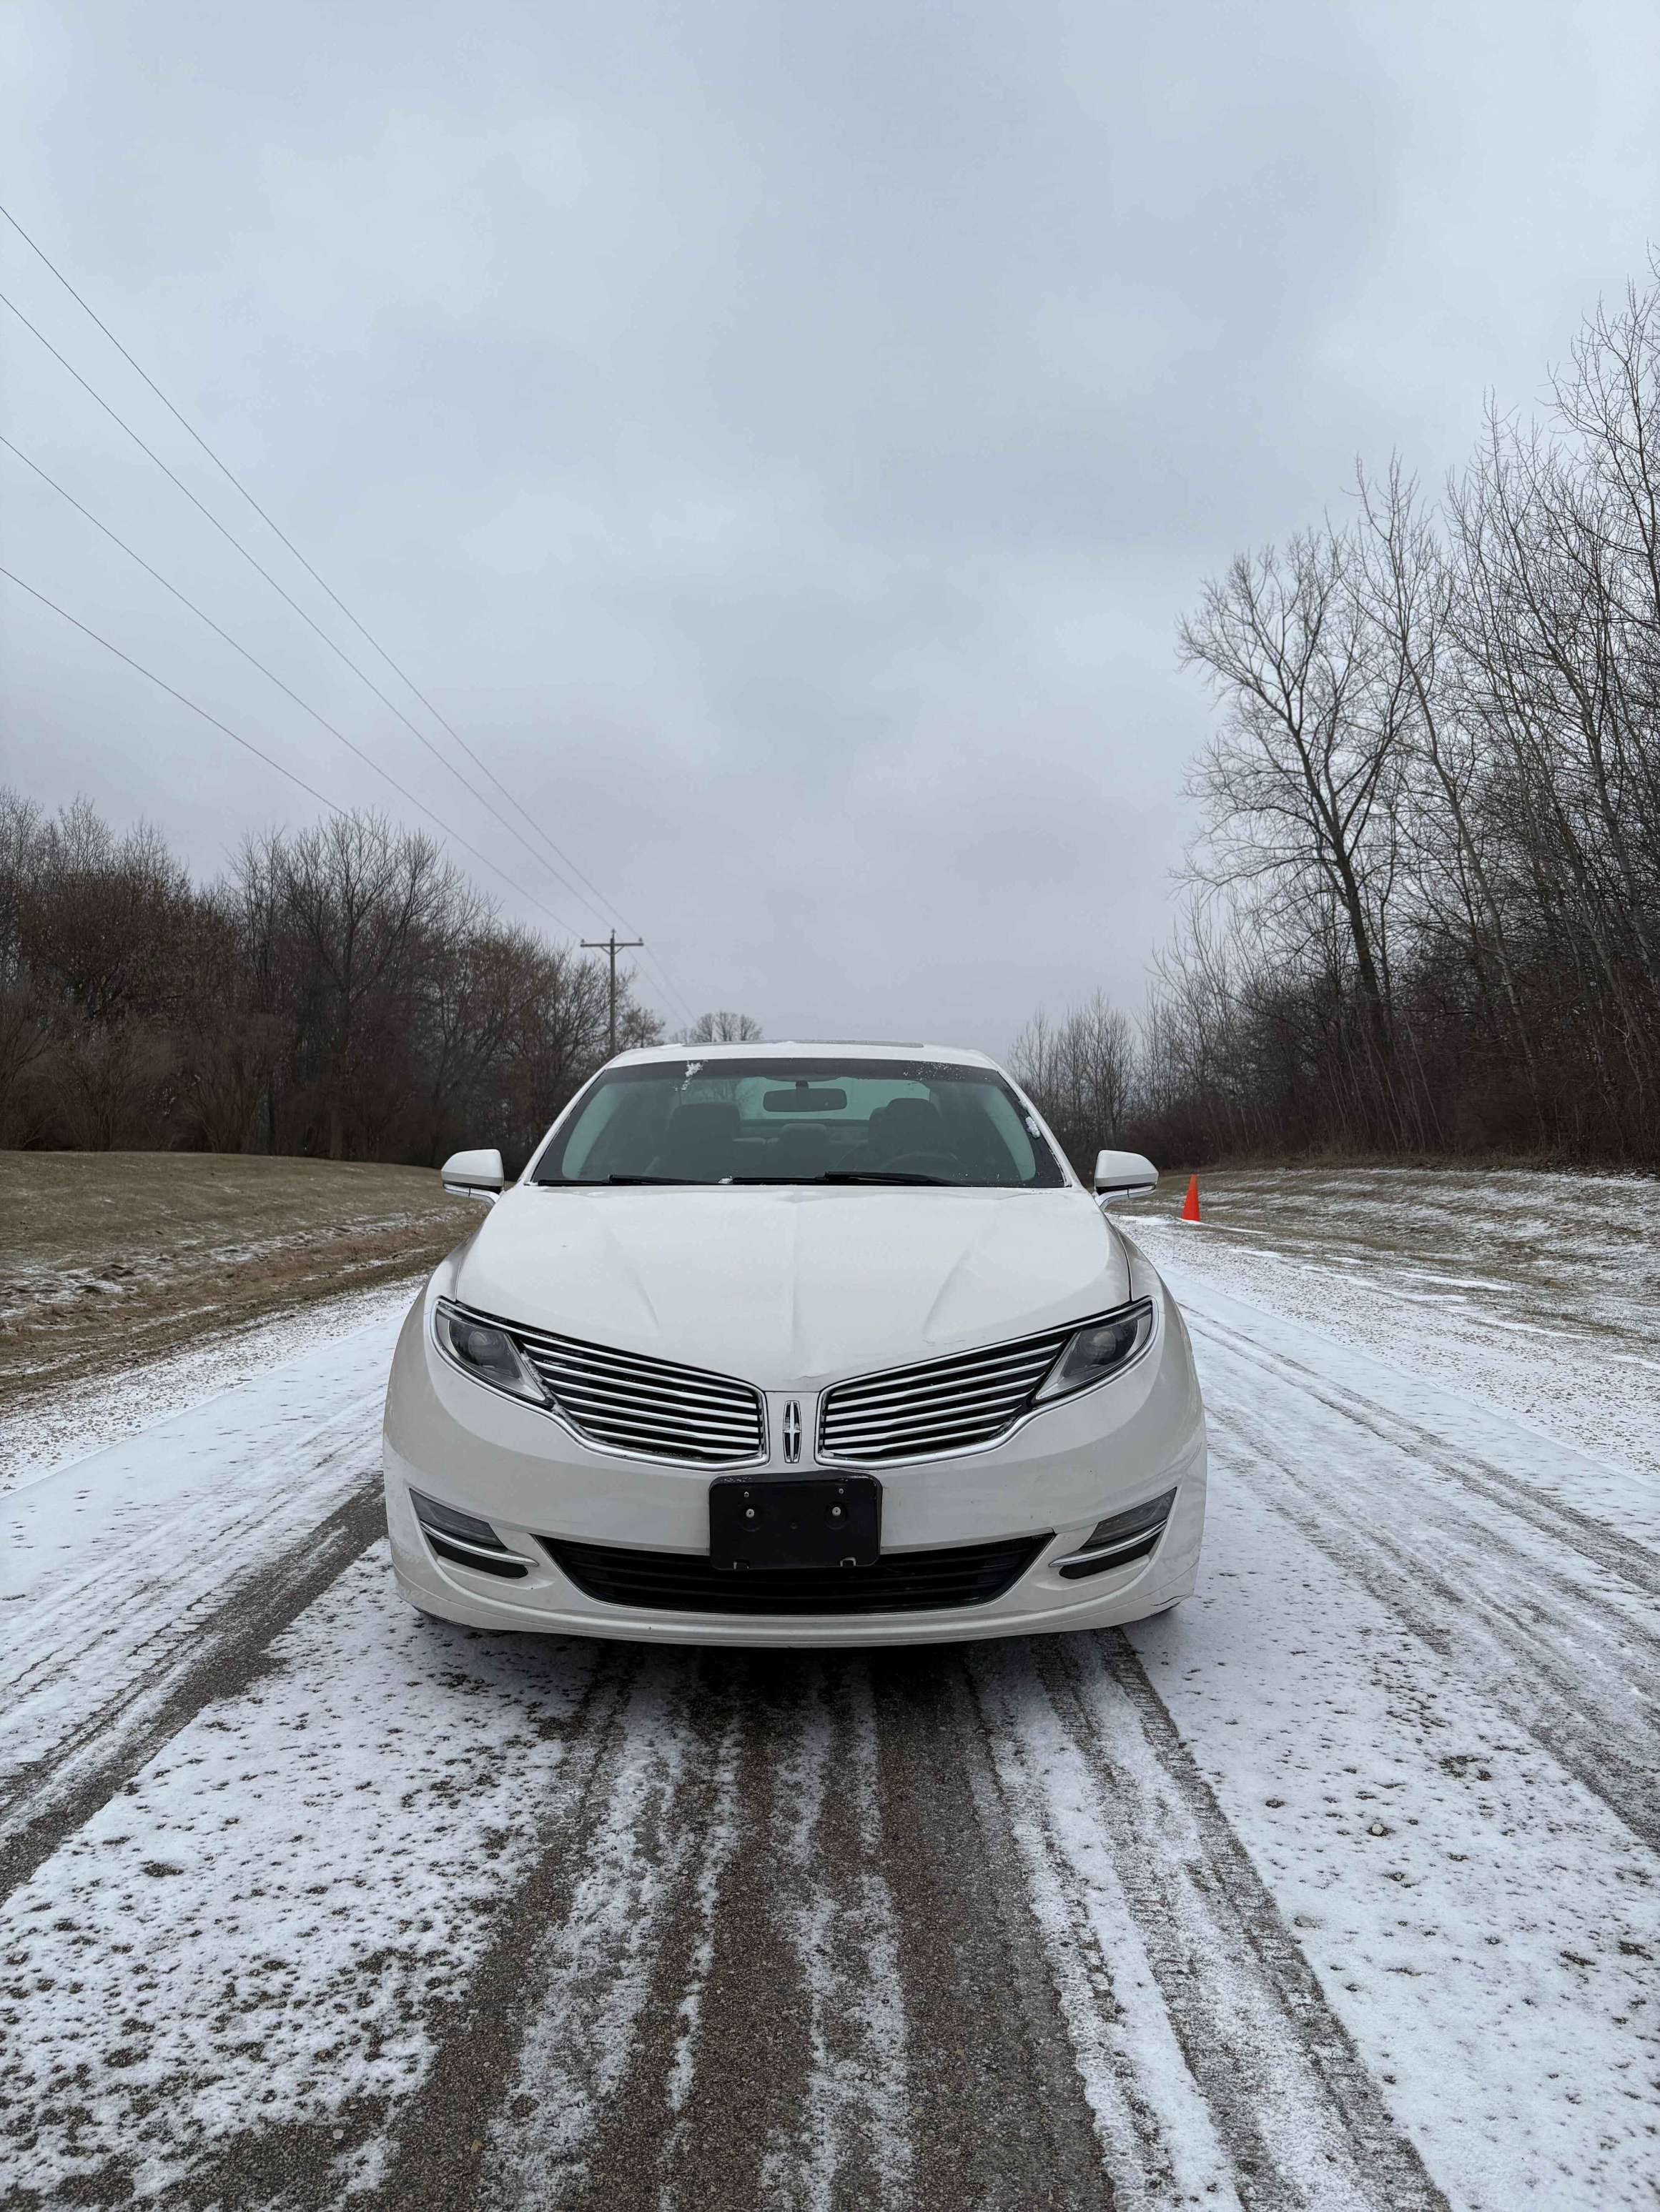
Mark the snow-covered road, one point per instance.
(1336, 1889)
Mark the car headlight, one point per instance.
(1099, 1350)
(488, 1354)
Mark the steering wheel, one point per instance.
(946, 1163)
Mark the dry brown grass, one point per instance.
(109, 1258)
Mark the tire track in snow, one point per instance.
(1483, 1928)
(697, 2004)
(146, 1565)
(1563, 1523)
(1096, 1677)
(789, 2088)
(225, 1987)
(1184, 1987)
(1571, 1677)
(719, 2077)
(615, 1996)
(437, 2153)
(200, 1658)
(998, 2114)
(791, 1969)
(94, 1656)
(838, 1905)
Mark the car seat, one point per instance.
(700, 1142)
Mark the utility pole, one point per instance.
(613, 944)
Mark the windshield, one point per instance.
(801, 1121)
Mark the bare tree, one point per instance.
(1425, 907)
(722, 1028)
(1034, 1061)
(1298, 788)
(344, 990)
(24, 1023)
(362, 899)
(1080, 1074)
(1413, 588)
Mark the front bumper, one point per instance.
(506, 1462)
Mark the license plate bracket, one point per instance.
(795, 1521)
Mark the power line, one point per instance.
(277, 530)
(614, 943)
(445, 833)
(299, 610)
(237, 484)
(163, 685)
(666, 977)
(287, 689)
(232, 540)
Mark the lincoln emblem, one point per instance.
(793, 1432)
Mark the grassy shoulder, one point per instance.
(1529, 1248)
(107, 1259)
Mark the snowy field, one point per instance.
(1336, 1889)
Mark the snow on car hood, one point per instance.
(790, 1286)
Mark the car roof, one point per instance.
(808, 1048)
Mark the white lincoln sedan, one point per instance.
(801, 1344)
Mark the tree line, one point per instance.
(1423, 914)
(343, 991)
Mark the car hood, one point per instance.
(791, 1286)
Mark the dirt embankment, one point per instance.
(107, 1259)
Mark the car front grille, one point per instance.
(898, 1581)
(621, 1401)
(949, 1405)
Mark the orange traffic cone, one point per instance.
(1190, 1203)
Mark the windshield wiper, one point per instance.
(626, 1178)
(846, 1175)
(837, 1175)
(883, 1174)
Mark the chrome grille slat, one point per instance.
(956, 1404)
(1008, 1380)
(978, 1417)
(642, 1418)
(602, 1397)
(889, 1415)
(667, 1370)
(667, 1409)
(901, 1409)
(643, 1424)
(630, 1403)
(670, 1389)
(926, 1401)
(951, 1391)
(957, 1370)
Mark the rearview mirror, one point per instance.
(804, 1100)
(474, 1174)
(1123, 1174)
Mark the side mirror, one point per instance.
(474, 1174)
(1123, 1174)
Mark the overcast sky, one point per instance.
(781, 438)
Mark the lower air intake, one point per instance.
(898, 1581)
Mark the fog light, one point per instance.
(466, 1540)
(1120, 1539)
